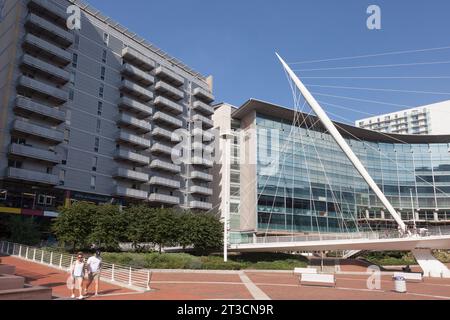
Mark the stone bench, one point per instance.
(6, 269)
(322, 280)
(410, 277)
(9, 282)
(305, 271)
(27, 293)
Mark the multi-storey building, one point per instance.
(431, 119)
(294, 178)
(89, 114)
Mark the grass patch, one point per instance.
(394, 258)
(213, 262)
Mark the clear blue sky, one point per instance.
(235, 41)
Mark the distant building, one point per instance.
(432, 119)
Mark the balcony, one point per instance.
(131, 175)
(160, 148)
(31, 176)
(169, 91)
(48, 70)
(138, 59)
(41, 47)
(48, 8)
(167, 119)
(52, 93)
(203, 95)
(209, 148)
(127, 121)
(198, 175)
(142, 110)
(165, 182)
(133, 157)
(27, 107)
(164, 199)
(134, 140)
(159, 164)
(138, 75)
(202, 162)
(202, 107)
(130, 193)
(24, 151)
(168, 105)
(201, 190)
(169, 76)
(206, 135)
(165, 134)
(208, 123)
(52, 31)
(29, 129)
(200, 205)
(136, 90)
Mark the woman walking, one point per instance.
(77, 270)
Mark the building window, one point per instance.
(66, 136)
(77, 41)
(106, 38)
(62, 177)
(104, 56)
(72, 77)
(102, 73)
(101, 91)
(15, 164)
(99, 125)
(93, 178)
(71, 94)
(94, 163)
(96, 144)
(99, 108)
(75, 60)
(45, 200)
(68, 117)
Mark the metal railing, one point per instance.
(123, 276)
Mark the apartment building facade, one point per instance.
(431, 119)
(89, 114)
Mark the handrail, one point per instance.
(120, 275)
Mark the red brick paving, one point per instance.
(198, 286)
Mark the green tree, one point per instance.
(23, 230)
(74, 224)
(108, 227)
(164, 227)
(139, 225)
(184, 223)
(207, 233)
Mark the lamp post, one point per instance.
(226, 138)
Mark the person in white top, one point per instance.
(77, 270)
(94, 265)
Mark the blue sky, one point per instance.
(235, 41)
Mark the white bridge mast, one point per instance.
(315, 106)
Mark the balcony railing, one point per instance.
(164, 199)
(160, 148)
(200, 161)
(133, 157)
(165, 134)
(208, 123)
(203, 108)
(203, 95)
(201, 176)
(27, 128)
(134, 140)
(169, 76)
(201, 205)
(165, 182)
(48, 7)
(130, 193)
(159, 164)
(201, 190)
(138, 75)
(136, 90)
(27, 107)
(167, 119)
(169, 91)
(138, 59)
(31, 176)
(57, 95)
(131, 175)
(142, 110)
(24, 151)
(166, 104)
(38, 46)
(129, 121)
(52, 72)
(48, 28)
(206, 135)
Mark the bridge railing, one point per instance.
(124, 276)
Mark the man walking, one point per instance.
(94, 265)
